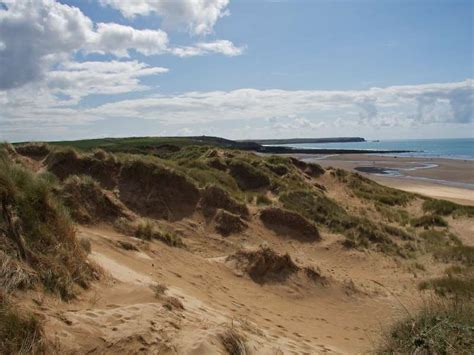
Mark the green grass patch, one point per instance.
(393, 214)
(447, 208)
(146, 145)
(369, 190)
(463, 254)
(318, 208)
(429, 221)
(450, 285)
(441, 327)
(438, 240)
(247, 176)
(396, 232)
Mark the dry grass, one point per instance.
(88, 202)
(264, 265)
(33, 150)
(159, 289)
(85, 244)
(15, 275)
(36, 230)
(233, 342)
(20, 332)
(147, 229)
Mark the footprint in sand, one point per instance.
(112, 306)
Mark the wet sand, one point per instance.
(435, 177)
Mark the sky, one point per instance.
(240, 69)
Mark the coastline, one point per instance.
(450, 179)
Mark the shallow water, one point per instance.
(462, 148)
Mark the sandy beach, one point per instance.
(435, 177)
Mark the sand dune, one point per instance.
(325, 266)
(122, 314)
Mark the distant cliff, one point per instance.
(306, 140)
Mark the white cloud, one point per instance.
(368, 109)
(280, 111)
(220, 46)
(52, 102)
(197, 16)
(378, 106)
(36, 35)
(77, 80)
(296, 125)
(118, 39)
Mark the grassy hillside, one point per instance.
(171, 186)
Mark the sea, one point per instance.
(459, 148)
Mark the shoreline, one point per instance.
(450, 179)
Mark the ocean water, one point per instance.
(462, 148)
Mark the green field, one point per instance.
(147, 144)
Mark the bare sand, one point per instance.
(434, 177)
(121, 313)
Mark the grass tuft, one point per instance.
(367, 189)
(20, 332)
(36, 229)
(233, 342)
(463, 254)
(147, 229)
(428, 221)
(247, 176)
(439, 328)
(456, 286)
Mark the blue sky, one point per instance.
(300, 68)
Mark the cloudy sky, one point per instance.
(73, 69)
